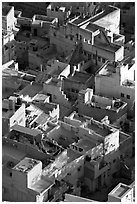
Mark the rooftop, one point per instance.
(72, 155)
(40, 97)
(5, 10)
(109, 47)
(120, 190)
(41, 185)
(44, 18)
(84, 144)
(26, 130)
(10, 152)
(98, 129)
(92, 27)
(46, 107)
(26, 165)
(31, 90)
(80, 77)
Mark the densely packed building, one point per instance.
(68, 102)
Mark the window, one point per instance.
(103, 60)
(128, 96)
(122, 95)
(114, 160)
(99, 59)
(71, 37)
(94, 56)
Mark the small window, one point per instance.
(103, 60)
(122, 95)
(99, 59)
(71, 37)
(94, 56)
(114, 160)
(128, 96)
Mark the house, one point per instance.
(29, 92)
(58, 69)
(59, 12)
(13, 112)
(98, 107)
(38, 114)
(41, 24)
(31, 188)
(97, 41)
(9, 78)
(8, 18)
(53, 88)
(22, 50)
(8, 49)
(117, 80)
(121, 193)
(73, 84)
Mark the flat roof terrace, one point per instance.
(31, 90)
(9, 151)
(80, 77)
(25, 130)
(26, 165)
(84, 144)
(107, 47)
(101, 130)
(120, 190)
(41, 185)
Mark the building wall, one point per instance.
(51, 12)
(4, 22)
(125, 147)
(34, 60)
(5, 126)
(63, 44)
(7, 38)
(18, 117)
(128, 91)
(126, 73)
(15, 194)
(56, 94)
(10, 19)
(30, 151)
(22, 50)
(8, 53)
(111, 86)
